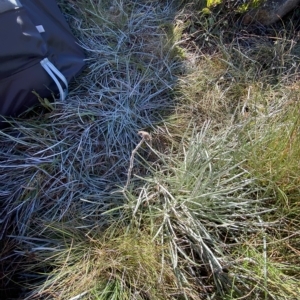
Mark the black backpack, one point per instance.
(37, 53)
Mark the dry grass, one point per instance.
(114, 264)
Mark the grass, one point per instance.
(116, 263)
(180, 219)
(277, 148)
(189, 202)
(84, 145)
(172, 170)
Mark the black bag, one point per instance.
(37, 53)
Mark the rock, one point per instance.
(270, 11)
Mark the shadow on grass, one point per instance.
(63, 161)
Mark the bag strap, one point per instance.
(52, 71)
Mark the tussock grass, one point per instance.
(81, 148)
(171, 237)
(199, 202)
(205, 207)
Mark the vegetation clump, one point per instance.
(172, 170)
